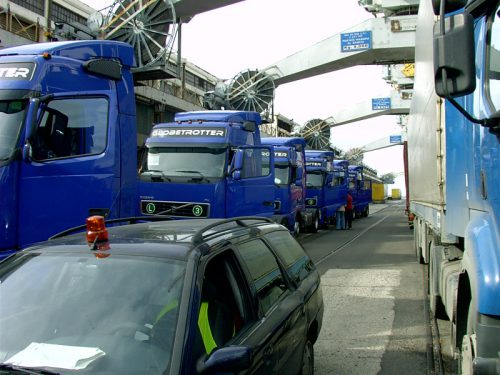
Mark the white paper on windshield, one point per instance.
(60, 356)
(153, 159)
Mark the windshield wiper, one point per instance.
(15, 369)
(200, 178)
(156, 175)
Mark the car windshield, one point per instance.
(80, 312)
(197, 162)
(314, 180)
(11, 118)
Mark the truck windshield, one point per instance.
(281, 175)
(193, 162)
(11, 118)
(314, 180)
(75, 312)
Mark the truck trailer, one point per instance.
(453, 144)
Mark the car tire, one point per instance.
(308, 359)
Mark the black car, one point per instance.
(162, 297)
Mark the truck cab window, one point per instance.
(494, 61)
(11, 118)
(68, 128)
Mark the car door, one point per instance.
(280, 330)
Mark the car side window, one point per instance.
(296, 261)
(265, 272)
(225, 308)
(68, 128)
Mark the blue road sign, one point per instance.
(381, 104)
(356, 41)
(395, 139)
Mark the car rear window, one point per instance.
(293, 256)
(265, 272)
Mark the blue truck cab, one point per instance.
(207, 164)
(290, 184)
(360, 189)
(326, 185)
(67, 139)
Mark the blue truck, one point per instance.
(290, 184)
(326, 185)
(68, 138)
(453, 152)
(360, 189)
(68, 144)
(207, 164)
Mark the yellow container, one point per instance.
(378, 192)
(396, 194)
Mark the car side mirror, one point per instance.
(230, 359)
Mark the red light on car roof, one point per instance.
(96, 231)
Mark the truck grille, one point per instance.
(181, 209)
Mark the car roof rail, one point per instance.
(124, 220)
(242, 221)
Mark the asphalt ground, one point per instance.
(375, 319)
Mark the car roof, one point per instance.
(150, 238)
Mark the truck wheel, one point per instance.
(315, 224)
(296, 227)
(435, 303)
(468, 350)
(308, 359)
(366, 212)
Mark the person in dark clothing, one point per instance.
(349, 211)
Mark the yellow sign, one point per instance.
(409, 70)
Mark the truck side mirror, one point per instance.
(239, 156)
(300, 175)
(27, 153)
(454, 55)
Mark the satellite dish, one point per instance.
(251, 90)
(149, 26)
(316, 133)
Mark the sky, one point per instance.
(254, 34)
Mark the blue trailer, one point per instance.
(326, 185)
(208, 164)
(67, 138)
(290, 184)
(453, 155)
(360, 189)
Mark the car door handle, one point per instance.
(268, 203)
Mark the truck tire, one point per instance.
(296, 226)
(366, 212)
(468, 349)
(436, 305)
(315, 223)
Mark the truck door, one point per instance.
(250, 187)
(72, 168)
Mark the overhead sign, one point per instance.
(379, 104)
(395, 139)
(356, 41)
